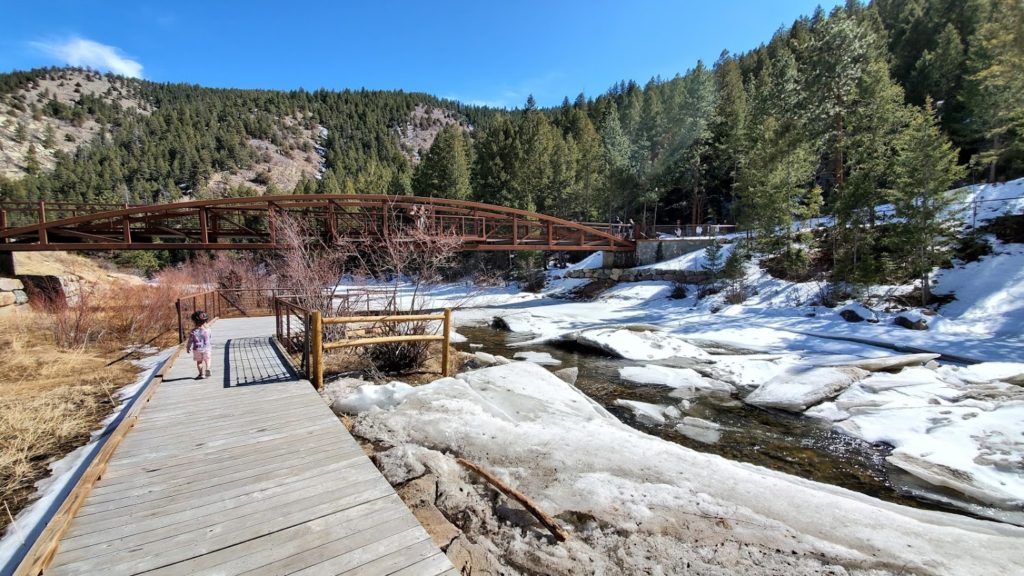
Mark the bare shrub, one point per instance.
(307, 264)
(75, 322)
(399, 265)
(139, 314)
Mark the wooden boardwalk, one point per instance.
(247, 472)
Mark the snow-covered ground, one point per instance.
(639, 504)
(954, 428)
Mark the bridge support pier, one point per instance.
(7, 264)
(618, 259)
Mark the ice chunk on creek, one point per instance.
(827, 411)
(889, 362)
(797, 391)
(542, 358)
(1009, 372)
(635, 345)
(673, 377)
(650, 413)
(700, 430)
(976, 452)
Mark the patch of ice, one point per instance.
(542, 358)
(673, 377)
(639, 345)
(645, 412)
(1012, 372)
(800, 390)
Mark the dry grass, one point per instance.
(51, 399)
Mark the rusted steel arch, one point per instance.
(247, 224)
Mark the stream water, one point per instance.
(794, 444)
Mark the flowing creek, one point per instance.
(794, 444)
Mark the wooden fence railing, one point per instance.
(302, 331)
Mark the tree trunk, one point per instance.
(995, 157)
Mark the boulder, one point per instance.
(568, 375)
(10, 284)
(20, 297)
(796, 392)
(7, 299)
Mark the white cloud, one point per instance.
(81, 52)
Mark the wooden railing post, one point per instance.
(316, 352)
(447, 341)
(277, 320)
(181, 326)
(42, 223)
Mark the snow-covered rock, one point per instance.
(911, 320)
(372, 396)
(857, 312)
(673, 377)
(639, 345)
(798, 391)
(542, 358)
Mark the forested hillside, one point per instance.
(892, 102)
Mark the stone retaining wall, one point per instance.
(12, 293)
(639, 275)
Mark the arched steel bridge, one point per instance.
(248, 224)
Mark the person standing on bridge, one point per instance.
(200, 344)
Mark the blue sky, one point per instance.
(483, 52)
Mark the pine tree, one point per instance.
(776, 184)
(32, 165)
(995, 91)
(927, 170)
(444, 171)
(49, 137)
(938, 71)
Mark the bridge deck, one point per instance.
(245, 472)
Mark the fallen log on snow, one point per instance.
(557, 531)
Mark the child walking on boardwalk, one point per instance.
(200, 344)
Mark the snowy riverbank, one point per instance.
(640, 504)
